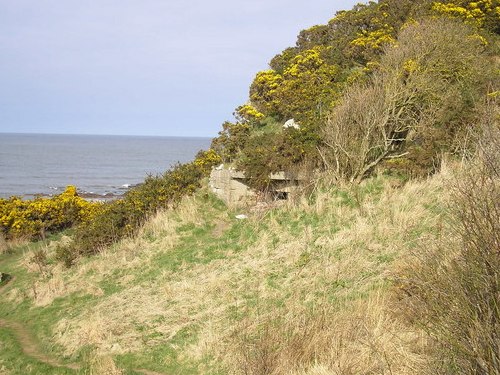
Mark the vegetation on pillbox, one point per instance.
(419, 67)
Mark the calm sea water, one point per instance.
(44, 164)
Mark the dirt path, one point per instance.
(30, 346)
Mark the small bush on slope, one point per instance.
(124, 217)
(453, 284)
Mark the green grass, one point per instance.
(15, 362)
(38, 321)
(301, 232)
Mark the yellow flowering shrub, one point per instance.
(376, 39)
(248, 113)
(205, 160)
(480, 13)
(410, 66)
(305, 90)
(231, 140)
(263, 91)
(33, 218)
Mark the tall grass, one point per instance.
(453, 286)
(360, 337)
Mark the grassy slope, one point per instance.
(301, 288)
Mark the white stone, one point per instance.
(291, 124)
(241, 217)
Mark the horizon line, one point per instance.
(107, 135)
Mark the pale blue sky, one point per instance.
(139, 67)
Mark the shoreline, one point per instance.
(89, 196)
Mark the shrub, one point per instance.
(416, 106)
(32, 219)
(452, 286)
(123, 217)
(265, 154)
(231, 140)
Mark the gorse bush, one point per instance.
(482, 13)
(265, 154)
(231, 140)
(32, 219)
(418, 72)
(123, 217)
(306, 82)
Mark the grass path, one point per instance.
(30, 346)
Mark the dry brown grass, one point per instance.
(451, 285)
(310, 299)
(84, 278)
(118, 323)
(358, 338)
(7, 246)
(103, 366)
(354, 333)
(3, 244)
(112, 325)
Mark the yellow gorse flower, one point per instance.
(32, 218)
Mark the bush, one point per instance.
(417, 105)
(32, 219)
(123, 217)
(265, 154)
(452, 287)
(231, 140)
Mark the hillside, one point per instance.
(386, 263)
(318, 286)
(199, 291)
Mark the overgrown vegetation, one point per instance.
(124, 217)
(392, 84)
(452, 286)
(199, 292)
(417, 106)
(397, 273)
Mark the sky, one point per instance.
(140, 67)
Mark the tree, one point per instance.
(414, 106)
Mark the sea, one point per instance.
(100, 166)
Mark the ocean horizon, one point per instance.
(98, 165)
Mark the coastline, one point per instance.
(87, 195)
(101, 167)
